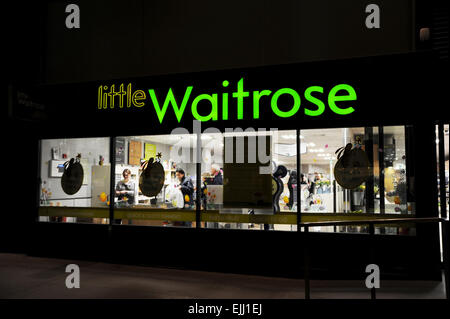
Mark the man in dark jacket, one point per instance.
(186, 186)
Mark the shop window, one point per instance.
(395, 179)
(442, 156)
(442, 146)
(155, 179)
(446, 164)
(357, 172)
(249, 180)
(75, 180)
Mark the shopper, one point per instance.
(186, 186)
(204, 190)
(187, 189)
(303, 179)
(316, 177)
(217, 177)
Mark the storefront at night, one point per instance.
(217, 170)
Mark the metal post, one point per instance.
(299, 185)
(443, 197)
(381, 167)
(409, 148)
(39, 182)
(112, 177)
(372, 255)
(198, 202)
(368, 193)
(334, 202)
(445, 248)
(307, 263)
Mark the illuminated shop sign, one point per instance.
(312, 101)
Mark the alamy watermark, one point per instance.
(73, 18)
(73, 280)
(373, 279)
(232, 142)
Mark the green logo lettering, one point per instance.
(274, 102)
(316, 101)
(170, 98)
(212, 115)
(332, 98)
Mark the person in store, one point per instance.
(204, 190)
(292, 187)
(125, 191)
(312, 188)
(186, 187)
(216, 173)
(316, 177)
(303, 179)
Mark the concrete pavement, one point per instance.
(23, 276)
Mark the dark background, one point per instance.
(119, 39)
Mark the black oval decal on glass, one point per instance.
(73, 175)
(152, 178)
(352, 167)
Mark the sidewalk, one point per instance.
(22, 276)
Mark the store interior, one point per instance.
(238, 182)
(95, 160)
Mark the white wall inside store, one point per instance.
(313, 168)
(90, 150)
(164, 149)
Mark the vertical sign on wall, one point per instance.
(120, 150)
(149, 151)
(135, 153)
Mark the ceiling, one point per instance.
(321, 144)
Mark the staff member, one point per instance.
(125, 188)
(125, 191)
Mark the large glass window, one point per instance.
(395, 179)
(446, 164)
(249, 180)
(155, 179)
(442, 155)
(75, 180)
(357, 172)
